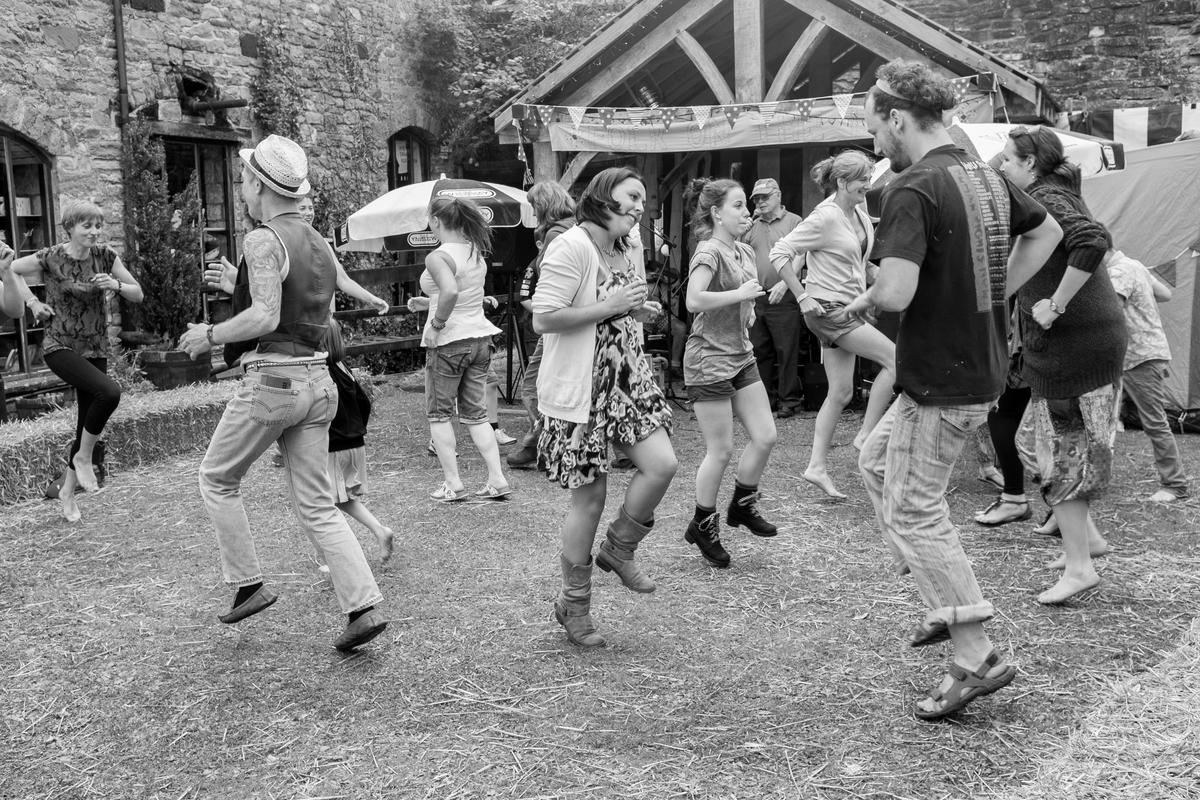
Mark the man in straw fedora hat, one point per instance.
(286, 395)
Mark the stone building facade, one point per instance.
(59, 82)
(1093, 54)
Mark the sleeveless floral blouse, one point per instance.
(80, 320)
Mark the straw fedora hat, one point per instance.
(280, 164)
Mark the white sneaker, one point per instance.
(504, 438)
(1163, 496)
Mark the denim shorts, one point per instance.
(722, 390)
(456, 374)
(825, 328)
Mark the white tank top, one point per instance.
(466, 320)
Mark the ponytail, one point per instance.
(464, 216)
(332, 342)
(848, 165)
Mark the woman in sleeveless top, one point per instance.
(595, 389)
(719, 369)
(458, 342)
(79, 277)
(836, 240)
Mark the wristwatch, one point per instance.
(802, 298)
(208, 334)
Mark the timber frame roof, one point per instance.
(685, 52)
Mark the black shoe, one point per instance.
(745, 512)
(361, 631)
(525, 458)
(706, 535)
(263, 598)
(785, 413)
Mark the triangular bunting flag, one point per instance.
(804, 108)
(842, 102)
(766, 112)
(607, 115)
(535, 115)
(731, 114)
(576, 113)
(668, 116)
(701, 114)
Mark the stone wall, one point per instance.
(1093, 54)
(58, 77)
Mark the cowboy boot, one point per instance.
(617, 549)
(573, 607)
(743, 510)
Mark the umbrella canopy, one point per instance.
(986, 140)
(385, 222)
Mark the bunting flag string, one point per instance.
(533, 117)
(527, 178)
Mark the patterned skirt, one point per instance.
(627, 406)
(1073, 440)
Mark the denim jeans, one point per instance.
(1144, 384)
(906, 464)
(529, 397)
(456, 378)
(298, 416)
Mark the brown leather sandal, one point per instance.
(967, 687)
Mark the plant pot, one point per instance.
(170, 369)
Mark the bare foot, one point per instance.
(821, 481)
(387, 541)
(1047, 528)
(1068, 586)
(84, 474)
(1095, 550)
(70, 509)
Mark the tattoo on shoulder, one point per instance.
(264, 261)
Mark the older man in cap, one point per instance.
(286, 395)
(778, 321)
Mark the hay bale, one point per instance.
(145, 428)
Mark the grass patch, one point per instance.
(787, 675)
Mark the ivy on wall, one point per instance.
(274, 91)
(469, 56)
(162, 236)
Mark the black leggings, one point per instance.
(1004, 421)
(96, 394)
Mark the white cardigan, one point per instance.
(569, 278)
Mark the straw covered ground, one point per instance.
(786, 676)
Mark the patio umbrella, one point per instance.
(387, 222)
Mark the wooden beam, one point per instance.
(858, 30)
(680, 170)
(797, 57)
(545, 162)
(866, 73)
(748, 50)
(638, 56)
(601, 41)
(575, 168)
(706, 67)
(955, 47)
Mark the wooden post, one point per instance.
(545, 162)
(748, 51)
(651, 170)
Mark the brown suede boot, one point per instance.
(616, 552)
(573, 607)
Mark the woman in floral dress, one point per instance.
(595, 389)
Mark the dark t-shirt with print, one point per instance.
(954, 216)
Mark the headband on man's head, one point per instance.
(886, 88)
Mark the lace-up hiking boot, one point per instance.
(743, 510)
(706, 535)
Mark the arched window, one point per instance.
(408, 157)
(27, 225)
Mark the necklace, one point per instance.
(608, 254)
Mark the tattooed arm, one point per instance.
(264, 260)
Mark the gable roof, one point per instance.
(684, 52)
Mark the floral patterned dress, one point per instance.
(80, 313)
(627, 405)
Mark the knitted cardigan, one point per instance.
(1085, 347)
